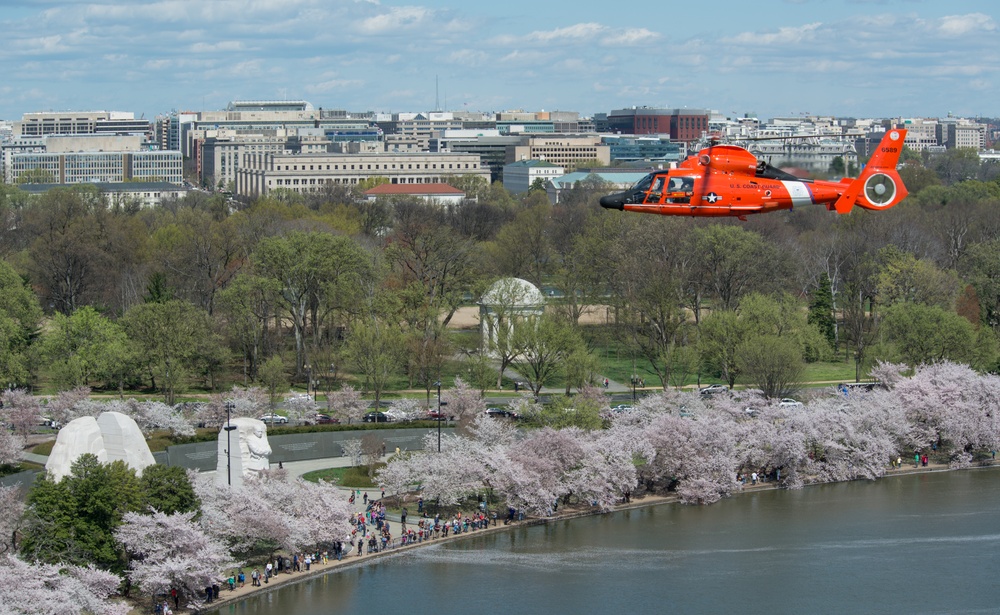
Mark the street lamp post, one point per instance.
(329, 385)
(229, 446)
(440, 417)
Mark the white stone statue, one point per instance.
(250, 451)
(124, 440)
(111, 436)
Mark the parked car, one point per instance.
(501, 413)
(623, 408)
(321, 419)
(434, 415)
(788, 402)
(274, 419)
(712, 389)
(377, 417)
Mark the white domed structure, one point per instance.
(508, 301)
(513, 292)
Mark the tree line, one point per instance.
(199, 293)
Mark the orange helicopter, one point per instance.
(725, 180)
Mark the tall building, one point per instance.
(519, 176)
(681, 124)
(262, 172)
(89, 158)
(561, 150)
(81, 123)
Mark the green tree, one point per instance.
(171, 337)
(247, 305)
(316, 271)
(375, 349)
(565, 412)
(720, 334)
(168, 489)
(522, 248)
(927, 333)
(903, 277)
(734, 261)
(85, 347)
(20, 316)
(771, 363)
(543, 344)
(981, 265)
(272, 376)
(73, 520)
(821, 310)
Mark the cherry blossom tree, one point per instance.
(242, 402)
(12, 504)
(21, 410)
(44, 589)
(273, 512)
(347, 404)
(171, 551)
(463, 401)
(952, 407)
(298, 407)
(11, 447)
(60, 406)
(405, 409)
(352, 450)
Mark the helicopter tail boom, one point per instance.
(879, 186)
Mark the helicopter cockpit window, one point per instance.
(643, 184)
(681, 189)
(656, 192)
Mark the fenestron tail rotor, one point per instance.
(880, 189)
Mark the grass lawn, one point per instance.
(356, 477)
(836, 371)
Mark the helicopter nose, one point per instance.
(613, 201)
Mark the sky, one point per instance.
(847, 58)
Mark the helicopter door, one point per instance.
(680, 189)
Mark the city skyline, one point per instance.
(856, 58)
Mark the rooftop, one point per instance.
(413, 190)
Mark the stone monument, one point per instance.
(111, 437)
(249, 452)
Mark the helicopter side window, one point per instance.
(637, 193)
(656, 192)
(681, 189)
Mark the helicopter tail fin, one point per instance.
(879, 185)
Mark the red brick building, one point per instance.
(681, 124)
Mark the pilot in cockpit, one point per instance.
(681, 189)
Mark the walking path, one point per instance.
(227, 597)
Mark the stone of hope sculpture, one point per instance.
(112, 436)
(249, 453)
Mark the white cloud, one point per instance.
(634, 36)
(469, 57)
(396, 19)
(333, 85)
(217, 46)
(582, 33)
(963, 25)
(784, 36)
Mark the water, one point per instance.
(911, 544)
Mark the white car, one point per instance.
(712, 389)
(788, 402)
(274, 419)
